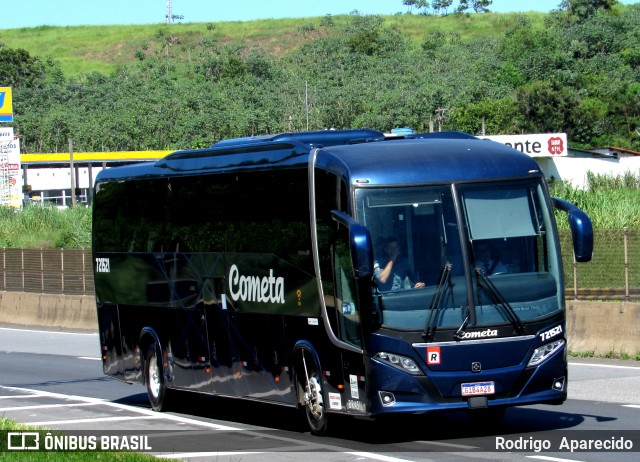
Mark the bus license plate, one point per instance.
(478, 388)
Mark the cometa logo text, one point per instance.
(267, 289)
(480, 334)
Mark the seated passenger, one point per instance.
(391, 274)
(486, 262)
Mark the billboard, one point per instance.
(535, 145)
(10, 177)
(6, 104)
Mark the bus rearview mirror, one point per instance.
(581, 229)
(361, 251)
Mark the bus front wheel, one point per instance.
(310, 393)
(154, 379)
(314, 406)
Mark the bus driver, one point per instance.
(392, 275)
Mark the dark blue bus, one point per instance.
(336, 271)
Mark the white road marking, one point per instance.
(138, 410)
(149, 414)
(553, 459)
(448, 445)
(48, 423)
(51, 332)
(605, 365)
(44, 406)
(370, 455)
(189, 455)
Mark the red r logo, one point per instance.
(433, 355)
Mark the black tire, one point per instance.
(311, 394)
(315, 406)
(154, 379)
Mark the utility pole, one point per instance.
(306, 101)
(169, 14)
(72, 171)
(440, 115)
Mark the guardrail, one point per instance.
(47, 271)
(612, 275)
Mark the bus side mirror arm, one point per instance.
(581, 229)
(360, 245)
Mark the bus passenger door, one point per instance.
(346, 309)
(349, 328)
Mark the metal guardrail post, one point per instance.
(84, 286)
(575, 277)
(62, 269)
(626, 263)
(41, 270)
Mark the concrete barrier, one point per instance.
(48, 310)
(603, 327)
(598, 327)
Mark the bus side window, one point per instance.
(345, 292)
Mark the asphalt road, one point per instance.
(55, 380)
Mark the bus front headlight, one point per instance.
(543, 352)
(399, 362)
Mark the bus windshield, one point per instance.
(441, 252)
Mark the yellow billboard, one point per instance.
(6, 105)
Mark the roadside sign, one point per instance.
(536, 145)
(6, 104)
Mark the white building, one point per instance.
(605, 161)
(49, 177)
(561, 163)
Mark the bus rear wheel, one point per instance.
(154, 379)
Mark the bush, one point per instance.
(39, 226)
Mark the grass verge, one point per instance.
(607, 355)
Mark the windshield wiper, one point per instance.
(498, 300)
(460, 332)
(445, 278)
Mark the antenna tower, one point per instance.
(169, 15)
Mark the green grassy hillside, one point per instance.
(82, 49)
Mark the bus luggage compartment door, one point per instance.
(110, 340)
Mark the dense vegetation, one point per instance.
(45, 227)
(573, 70)
(612, 202)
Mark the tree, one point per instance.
(481, 6)
(419, 4)
(442, 6)
(583, 9)
(18, 68)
